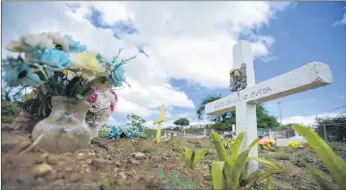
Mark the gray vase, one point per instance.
(64, 130)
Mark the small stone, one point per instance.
(45, 155)
(117, 163)
(42, 170)
(41, 180)
(84, 165)
(52, 175)
(68, 169)
(89, 161)
(138, 155)
(80, 156)
(101, 163)
(132, 161)
(75, 177)
(53, 159)
(23, 181)
(39, 160)
(165, 158)
(122, 175)
(61, 175)
(91, 154)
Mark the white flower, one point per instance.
(33, 40)
(16, 46)
(58, 40)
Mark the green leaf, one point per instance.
(217, 174)
(269, 185)
(71, 88)
(318, 178)
(240, 162)
(220, 149)
(266, 163)
(235, 148)
(330, 159)
(200, 155)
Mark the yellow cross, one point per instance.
(159, 121)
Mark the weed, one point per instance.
(174, 181)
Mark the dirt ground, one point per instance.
(134, 164)
(127, 164)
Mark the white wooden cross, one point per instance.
(309, 76)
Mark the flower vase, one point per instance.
(101, 110)
(64, 130)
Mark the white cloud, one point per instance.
(342, 21)
(201, 53)
(307, 120)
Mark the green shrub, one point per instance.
(229, 172)
(192, 157)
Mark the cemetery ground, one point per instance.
(134, 163)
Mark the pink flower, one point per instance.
(115, 95)
(93, 97)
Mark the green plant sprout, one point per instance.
(191, 157)
(229, 172)
(175, 181)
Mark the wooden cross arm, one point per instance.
(312, 75)
(159, 120)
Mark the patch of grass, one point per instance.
(175, 181)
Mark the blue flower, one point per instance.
(55, 60)
(17, 72)
(117, 76)
(75, 46)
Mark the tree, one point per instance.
(136, 120)
(182, 122)
(335, 127)
(223, 117)
(226, 120)
(10, 108)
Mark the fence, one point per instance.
(332, 131)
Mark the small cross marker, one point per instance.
(159, 121)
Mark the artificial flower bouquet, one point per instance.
(57, 65)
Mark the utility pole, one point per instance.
(280, 112)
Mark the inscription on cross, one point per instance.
(245, 94)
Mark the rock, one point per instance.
(45, 155)
(132, 161)
(75, 177)
(101, 163)
(89, 161)
(42, 170)
(52, 175)
(23, 181)
(138, 155)
(39, 160)
(117, 163)
(165, 158)
(99, 142)
(53, 159)
(80, 156)
(68, 169)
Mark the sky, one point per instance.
(184, 49)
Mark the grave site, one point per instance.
(56, 153)
(58, 135)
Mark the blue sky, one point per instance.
(185, 48)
